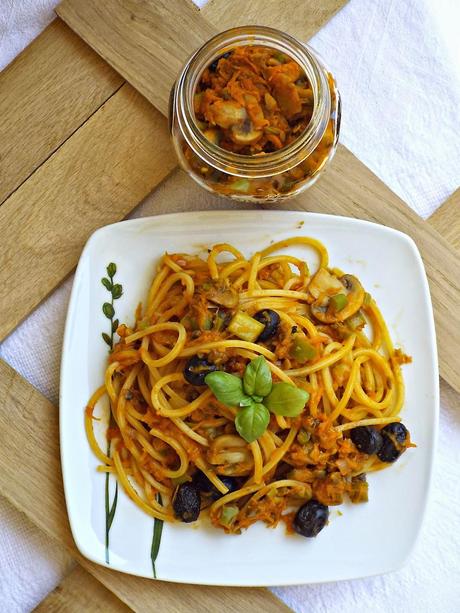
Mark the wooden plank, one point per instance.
(146, 42)
(78, 592)
(298, 17)
(49, 90)
(101, 173)
(30, 478)
(446, 220)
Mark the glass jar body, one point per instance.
(264, 177)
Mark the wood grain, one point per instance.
(49, 90)
(298, 17)
(80, 592)
(146, 42)
(30, 478)
(446, 220)
(101, 173)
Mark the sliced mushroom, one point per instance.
(222, 294)
(245, 134)
(324, 282)
(325, 306)
(230, 455)
(227, 113)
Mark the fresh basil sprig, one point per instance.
(256, 395)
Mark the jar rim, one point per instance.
(266, 164)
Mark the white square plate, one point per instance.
(366, 539)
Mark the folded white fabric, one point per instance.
(396, 67)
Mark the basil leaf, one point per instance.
(257, 378)
(251, 422)
(286, 399)
(247, 401)
(226, 387)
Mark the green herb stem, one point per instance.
(156, 539)
(109, 311)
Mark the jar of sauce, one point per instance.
(255, 115)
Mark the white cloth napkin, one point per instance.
(399, 75)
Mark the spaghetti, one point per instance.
(178, 448)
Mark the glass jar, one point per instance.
(263, 177)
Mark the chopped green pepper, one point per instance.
(339, 302)
(245, 327)
(271, 130)
(287, 185)
(241, 185)
(228, 515)
(301, 349)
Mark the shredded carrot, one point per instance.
(253, 99)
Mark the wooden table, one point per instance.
(83, 140)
